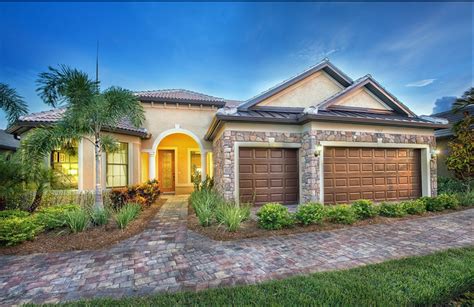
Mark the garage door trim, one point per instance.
(425, 161)
(270, 144)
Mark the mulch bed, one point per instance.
(91, 239)
(250, 229)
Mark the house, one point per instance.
(8, 143)
(443, 136)
(317, 136)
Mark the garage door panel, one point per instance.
(268, 175)
(371, 173)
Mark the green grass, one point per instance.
(434, 279)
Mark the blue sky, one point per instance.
(418, 51)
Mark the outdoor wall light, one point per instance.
(434, 153)
(318, 151)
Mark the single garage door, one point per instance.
(268, 175)
(377, 174)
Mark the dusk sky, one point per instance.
(419, 52)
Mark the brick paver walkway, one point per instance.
(168, 257)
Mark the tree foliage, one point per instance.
(11, 103)
(465, 101)
(461, 156)
(86, 113)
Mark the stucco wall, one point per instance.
(442, 146)
(307, 92)
(362, 98)
(309, 138)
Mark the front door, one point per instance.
(166, 170)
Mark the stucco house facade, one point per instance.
(317, 136)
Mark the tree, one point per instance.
(87, 112)
(465, 101)
(461, 156)
(11, 103)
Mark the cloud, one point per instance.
(421, 83)
(443, 104)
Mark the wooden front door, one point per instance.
(166, 170)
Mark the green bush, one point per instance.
(364, 208)
(15, 230)
(204, 202)
(77, 220)
(231, 215)
(13, 213)
(441, 202)
(127, 214)
(274, 216)
(310, 213)
(99, 216)
(448, 185)
(392, 210)
(417, 206)
(341, 214)
(466, 199)
(54, 217)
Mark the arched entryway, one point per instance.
(177, 157)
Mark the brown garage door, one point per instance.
(371, 173)
(268, 175)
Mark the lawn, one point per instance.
(434, 279)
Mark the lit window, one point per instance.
(66, 166)
(117, 167)
(195, 165)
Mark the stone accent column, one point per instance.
(310, 179)
(152, 166)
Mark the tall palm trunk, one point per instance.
(99, 202)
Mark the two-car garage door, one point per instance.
(350, 173)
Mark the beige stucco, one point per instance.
(362, 98)
(308, 92)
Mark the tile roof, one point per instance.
(8, 141)
(180, 95)
(51, 116)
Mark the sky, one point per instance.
(420, 52)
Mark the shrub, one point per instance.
(77, 220)
(448, 185)
(54, 217)
(144, 194)
(13, 213)
(14, 230)
(310, 213)
(392, 210)
(364, 208)
(231, 215)
(204, 203)
(99, 216)
(466, 199)
(127, 214)
(417, 206)
(341, 214)
(274, 216)
(441, 202)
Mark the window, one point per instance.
(117, 167)
(66, 166)
(194, 164)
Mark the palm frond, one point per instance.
(466, 100)
(12, 103)
(121, 103)
(64, 85)
(109, 143)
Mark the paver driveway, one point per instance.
(168, 257)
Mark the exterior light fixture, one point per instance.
(318, 151)
(434, 153)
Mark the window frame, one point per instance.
(53, 163)
(190, 169)
(127, 164)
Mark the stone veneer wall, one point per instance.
(224, 155)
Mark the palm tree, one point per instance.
(11, 103)
(87, 112)
(465, 101)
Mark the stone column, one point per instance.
(152, 166)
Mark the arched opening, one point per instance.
(179, 160)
